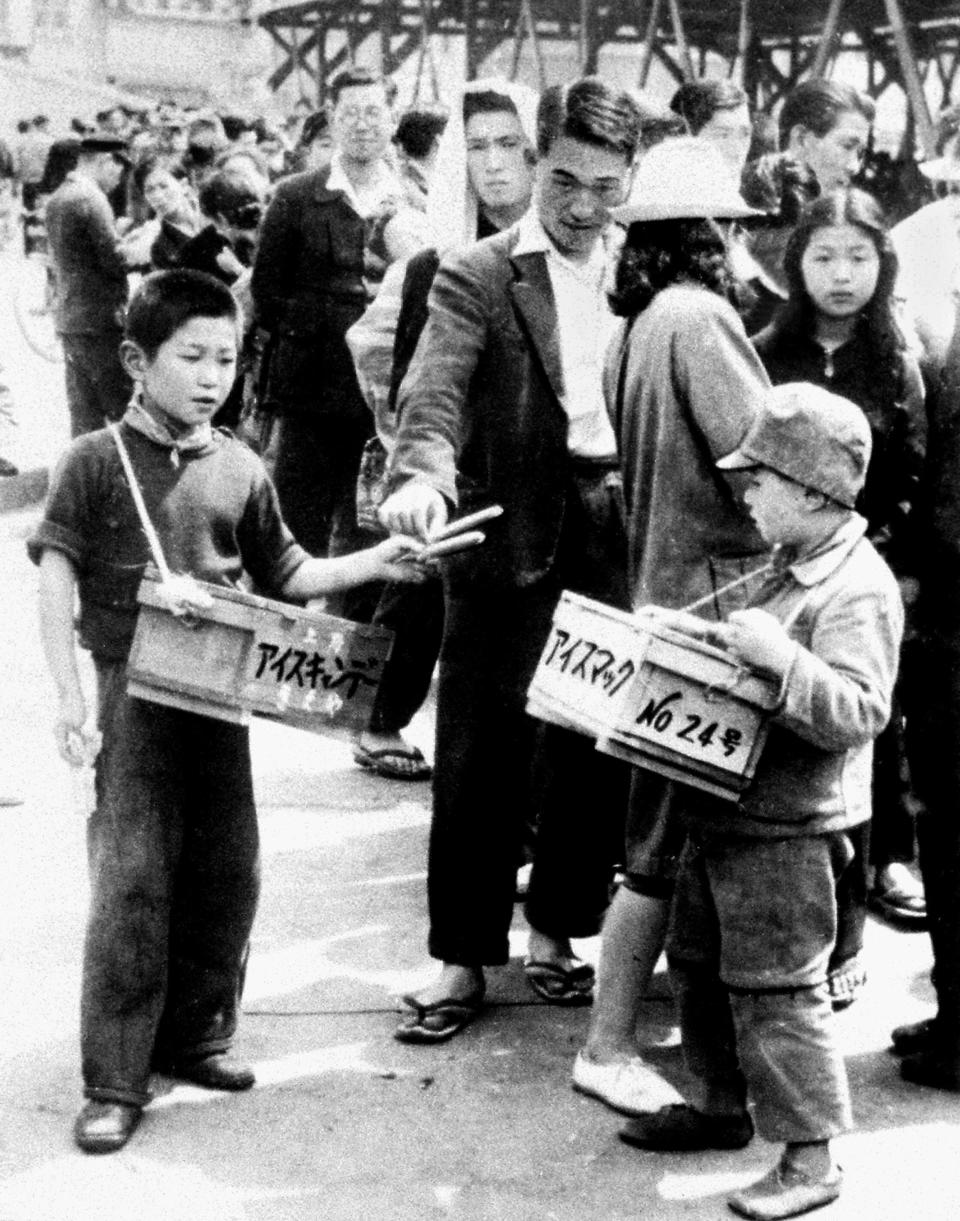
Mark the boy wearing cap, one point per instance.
(754, 916)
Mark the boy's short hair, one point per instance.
(811, 436)
(236, 201)
(419, 129)
(167, 300)
(696, 102)
(818, 105)
(591, 111)
(355, 78)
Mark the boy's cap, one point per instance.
(812, 437)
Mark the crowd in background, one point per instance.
(377, 369)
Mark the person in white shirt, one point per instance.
(928, 248)
(502, 404)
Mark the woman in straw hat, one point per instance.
(683, 385)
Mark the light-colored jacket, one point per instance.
(814, 773)
(683, 385)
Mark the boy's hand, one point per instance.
(397, 558)
(416, 509)
(69, 730)
(184, 596)
(757, 638)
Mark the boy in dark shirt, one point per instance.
(173, 842)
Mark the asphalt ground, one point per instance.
(346, 1124)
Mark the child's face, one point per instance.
(840, 267)
(191, 374)
(777, 505)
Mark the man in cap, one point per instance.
(754, 915)
(91, 283)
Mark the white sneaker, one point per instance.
(628, 1086)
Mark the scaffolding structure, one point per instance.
(768, 45)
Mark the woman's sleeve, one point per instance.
(722, 378)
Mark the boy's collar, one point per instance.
(817, 565)
(141, 420)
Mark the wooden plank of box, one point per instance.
(590, 656)
(249, 655)
(691, 707)
(659, 698)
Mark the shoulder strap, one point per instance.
(155, 549)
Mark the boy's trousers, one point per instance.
(174, 869)
(752, 928)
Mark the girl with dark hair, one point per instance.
(824, 130)
(839, 330)
(164, 186)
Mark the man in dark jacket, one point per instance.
(313, 277)
(91, 284)
(503, 404)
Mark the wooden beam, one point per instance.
(738, 68)
(911, 78)
(681, 40)
(526, 25)
(296, 59)
(828, 34)
(469, 40)
(649, 42)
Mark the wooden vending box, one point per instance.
(658, 698)
(249, 655)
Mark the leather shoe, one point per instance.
(217, 1072)
(105, 1127)
(683, 1129)
(939, 1071)
(916, 1036)
(786, 1191)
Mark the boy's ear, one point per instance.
(134, 359)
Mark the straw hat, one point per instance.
(685, 177)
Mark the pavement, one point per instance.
(346, 1124)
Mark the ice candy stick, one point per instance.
(447, 546)
(467, 523)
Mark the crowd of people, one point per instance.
(704, 380)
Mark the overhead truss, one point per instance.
(769, 45)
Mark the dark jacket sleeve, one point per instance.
(413, 317)
(433, 396)
(274, 271)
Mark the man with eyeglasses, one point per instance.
(91, 283)
(503, 404)
(317, 268)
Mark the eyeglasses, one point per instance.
(351, 115)
(609, 194)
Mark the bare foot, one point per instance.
(391, 755)
(455, 982)
(541, 948)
